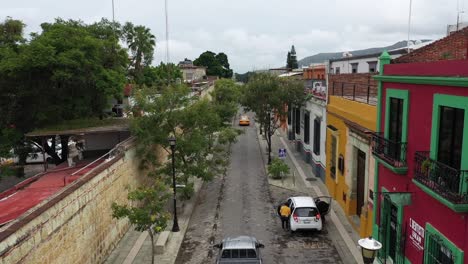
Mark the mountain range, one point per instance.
(322, 57)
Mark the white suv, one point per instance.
(305, 214)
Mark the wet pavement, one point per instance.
(241, 202)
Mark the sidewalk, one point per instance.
(135, 247)
(301, 179)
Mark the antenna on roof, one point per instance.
(167, 43)
(409, 26)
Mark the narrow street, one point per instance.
(242, 203)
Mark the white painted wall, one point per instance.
(363, 66)
(317, 108)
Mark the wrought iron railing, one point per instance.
(446, 181)
(359, 92)
(392, 152)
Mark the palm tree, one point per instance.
(141, 44)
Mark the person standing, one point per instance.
(285, 212)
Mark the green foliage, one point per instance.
(11, 32)
(195, 123)
(68, 71)
(291, 60)
(216, 64)
(226, 97)
(146, 209)
(244, 77)
(268, 96)
(141, 44)
(278, 168)
(159, 76)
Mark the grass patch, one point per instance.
(83, 123)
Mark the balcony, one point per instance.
(446, 182)
(391, 153)
(359, 92)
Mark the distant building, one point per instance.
(191, 72)
(454, 28)
(278, 71)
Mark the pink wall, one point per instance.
(424, 208)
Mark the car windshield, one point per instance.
(239, 253)
(306, 212)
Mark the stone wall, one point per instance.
(76, 224)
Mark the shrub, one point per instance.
(277, 168)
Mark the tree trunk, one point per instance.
(64, 142)
(152, 245)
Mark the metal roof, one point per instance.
(303, 201)
(239, 242)
(88, 130)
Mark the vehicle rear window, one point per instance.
(239, 253)
(306, 212)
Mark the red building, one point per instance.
(421, 152)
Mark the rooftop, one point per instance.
(29, 193)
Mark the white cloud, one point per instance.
(256, 33)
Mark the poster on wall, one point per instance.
(416, 235)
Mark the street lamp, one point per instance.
(369, 248)
(172, 143)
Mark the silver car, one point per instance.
(240, 249)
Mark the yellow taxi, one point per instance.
(244, 121)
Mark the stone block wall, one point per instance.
(76, 224)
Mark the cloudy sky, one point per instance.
(256, 34)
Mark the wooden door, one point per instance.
(361, 179)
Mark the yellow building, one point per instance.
(351, 116)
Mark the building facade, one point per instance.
(421, 152)
(307, 124)
(351, 116)
(190, 72)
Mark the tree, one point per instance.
(68, 71)
(226, 95)
(161, 75)
(194, 122)
(147, 212)
(291, 61)
(216, 64)
(141, 44)
(268, 96)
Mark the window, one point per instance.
(450, 136)
(306, 127)
(337, 70)
(317, 136)
(306, 212)
(396, 126)
(333, 156)
(438, 249)
(372, 66)
(298, 121)
(354, 67)
(341, 164)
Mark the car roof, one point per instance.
(244, 117)
(239, 242)
(303, 201)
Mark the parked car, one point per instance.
(308, 213)
(35, 155)
(240, 249)
(244, 121)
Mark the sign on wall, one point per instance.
(416, 235)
